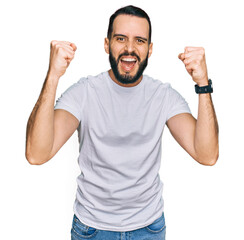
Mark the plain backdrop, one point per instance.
(200, 202)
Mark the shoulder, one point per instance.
(164, 89)
(89, 81)
(153, 84)
(94, 81)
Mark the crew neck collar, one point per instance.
(120, 88)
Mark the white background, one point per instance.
(200, 202)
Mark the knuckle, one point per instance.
(58, 48)
(60, 51)
(53, 43)
(202, 51)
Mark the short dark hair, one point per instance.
(129, 10)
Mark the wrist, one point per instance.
(52, 77)
(207, 88)
(202, 82)
(51, 82)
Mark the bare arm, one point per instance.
(198, 137)
(48, 130)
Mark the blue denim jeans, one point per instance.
(154, 231)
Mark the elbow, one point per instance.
(208, 160)
(33, 160)
(207, 155)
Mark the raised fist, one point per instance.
(195, 64)
(61, 54)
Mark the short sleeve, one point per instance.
(73, 99)
(176, 103)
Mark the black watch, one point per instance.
(204, 89)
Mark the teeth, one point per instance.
(129, 59)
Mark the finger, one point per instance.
(73, 46)
(193, 58)
(68, 61)
(189, 69)
(190, 54)
(181, 56)
(67, 44)
(187, 60)
(68, 49)
(198, 52)
(189, 49)
(69, 56)
(191, 66)
(195, 49)
(66, 52)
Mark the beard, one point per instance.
(126, 78)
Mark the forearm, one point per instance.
(40, 127)
(206, 133)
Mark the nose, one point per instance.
(129, 46)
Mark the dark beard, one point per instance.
(127, 79)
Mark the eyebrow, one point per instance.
(122, 35)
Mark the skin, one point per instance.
(130, 34)
(48, 130)
(199, 137)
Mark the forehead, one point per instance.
(131, 25)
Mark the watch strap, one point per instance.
(204, 89)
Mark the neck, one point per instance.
(111, 74)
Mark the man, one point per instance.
(120, 116)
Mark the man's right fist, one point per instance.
(62, 53)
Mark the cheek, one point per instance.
(116, 49)
(144, 51)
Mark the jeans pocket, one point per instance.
(81, 231)
(157, 226)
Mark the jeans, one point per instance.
(154, 231)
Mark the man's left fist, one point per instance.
(195, 63)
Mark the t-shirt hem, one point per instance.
(118, 229)
(178, 112)
(68, 109)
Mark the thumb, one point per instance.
(181, 56)
(73, 46)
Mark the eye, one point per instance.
(120, 39)
(140, 41)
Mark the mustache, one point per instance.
(128, 54)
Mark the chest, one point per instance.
(123, 118)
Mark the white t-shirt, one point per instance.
(119, 188)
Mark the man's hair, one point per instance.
(129, 10)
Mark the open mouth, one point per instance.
(128, 63)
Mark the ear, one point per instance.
(150, 49)
(106, 45)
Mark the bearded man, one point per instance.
(120, 116)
